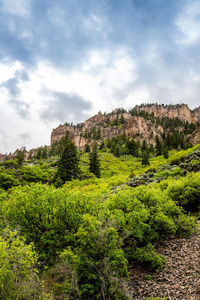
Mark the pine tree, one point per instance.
(151, 148)
(39, 153)
(113, 148)
(158, 146)
(122, 120)
(30, 156)
(109, 143)
(44, 153)
(98, 135)
(165, 152)
(102, 146)
(95, 162)
(68, 164)
(87, 148)
(145, 158)
(21, 156)
(144, 146)
(132, 147)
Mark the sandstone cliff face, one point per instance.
(181, 111)
(137, 126)
(141, 128)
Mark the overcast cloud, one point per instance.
(65, 60)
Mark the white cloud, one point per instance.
(188, 23)
(96, 81)
(7, 70)
(17, 7)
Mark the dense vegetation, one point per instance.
(72, 223)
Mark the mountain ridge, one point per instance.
(135, 122)
(142, 121)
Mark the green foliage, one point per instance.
(158, 146)
(39, 153)
(7, 180)
(68, 164)
(186, 192)
(180, 155)
(95, 162)
(100, 225)
(47, 217)
(87, 148)
(98, 260)
(165, 152)
(44, 153)
(145, 158)
(148, 255)
(20, 156)
(18, 273)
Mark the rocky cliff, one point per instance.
(133, 125)
(180, 111)
(141, 128)
(121, 122)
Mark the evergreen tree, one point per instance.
(132, 147)
(109, 143)
(122, 120)
(145, 158)
(68, 164)
(102, 146)
(30, 156)
(95, 162)
(116, 121)
(144, 146)
(151, 148)
(87, 148)
(98, 135)
(158, 146)
(118, 151)
(39, 153)
(21, 156)
(165, 152)
(113, 148)
(44, 153)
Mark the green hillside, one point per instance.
(78, 239)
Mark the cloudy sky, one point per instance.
(65, 60)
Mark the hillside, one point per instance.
(116, 221)
(91, 232)
(144, 122)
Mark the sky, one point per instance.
(66, 60)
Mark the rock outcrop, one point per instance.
(142, 129)
(180, 111)
(137, 126)
(110, 125)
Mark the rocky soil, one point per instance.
(179, 279)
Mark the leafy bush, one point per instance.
(148, 255)
(18, 274)
(98, 260)
(186, 192)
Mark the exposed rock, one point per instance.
(180, 111)
(141, 128)
(179, 279)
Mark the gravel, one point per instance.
(180, 277)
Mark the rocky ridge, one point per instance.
(141, 128)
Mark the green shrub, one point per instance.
(18, 274)
(148, 255)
